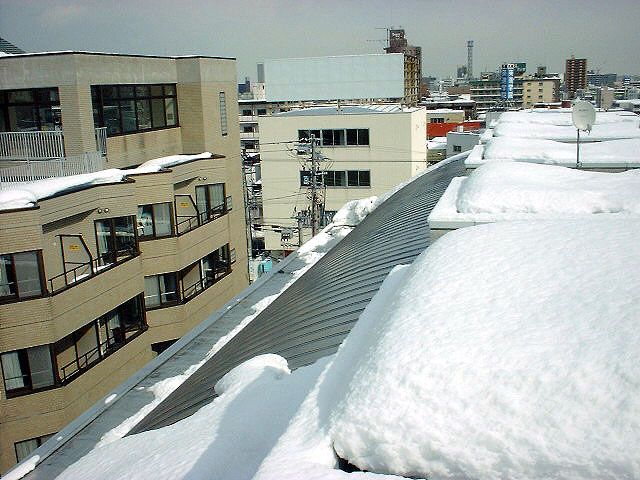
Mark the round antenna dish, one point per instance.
(583, 115)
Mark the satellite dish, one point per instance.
(583, 115)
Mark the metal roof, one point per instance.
(310, 319)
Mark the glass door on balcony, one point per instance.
(210, 201)
(116, 238)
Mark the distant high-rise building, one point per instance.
(412, 64)
(575, 76)
(469, 59)
(601, 79)
(461, 72)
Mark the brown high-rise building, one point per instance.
(412, 64)
(575, 75)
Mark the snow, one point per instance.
(437, 143)
(566, 133)
(225, 439)
(27, 194)
(561, 117)
(519, 191)
(612, 153)
(491, 374)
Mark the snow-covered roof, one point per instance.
(608, 154)
(521, 191)
(301, 326)
(437, 143)
(348, 110)
(27, 194)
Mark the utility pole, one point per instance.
(246, 168)
(315, 214)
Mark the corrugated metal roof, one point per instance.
(312, 317)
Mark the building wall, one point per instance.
(458, 142)
(45, 320)
(540, 90)
(397, 150)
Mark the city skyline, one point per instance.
(542, 34)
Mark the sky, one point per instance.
(537, 32)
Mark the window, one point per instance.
(247, 129)
(437, 120)
(210, 201)
(126, 109)
(90, 344)
(247, 112)
(335, 178)
(154, 221)
(27, 370)
(262, 111)
(21, 276)
(161, 290)
(359, 178)
(208, 270)
(223, 114)
(338, 178)
(305, 178)
(26, 447)
(457, 148)
(30, 110)
(116, 238)
(337, 137)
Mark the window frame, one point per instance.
(26, 369)
(224, 120)
(163, 304)
(36, 104)
(140, 94)
(41, 274)
(154, 235)
(39, 441)
(113, 238)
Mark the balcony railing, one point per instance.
(86, 270)
(31, 145)
(185, 224)
(101, 140)
(221, 271)
(29, 170)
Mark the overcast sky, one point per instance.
(538, 33)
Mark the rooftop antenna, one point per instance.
(583, 116)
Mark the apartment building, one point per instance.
(575, 75)
(540, 90)
(97, 279)
(412, 64)
(367, 150)
(486, 92)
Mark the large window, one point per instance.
(210, 201)
(223, 114)
(116, 239)
(338, 178)
(27, 370)
(337, 137)
(29, 110)
(125, 109)
(205, 272)
(24, 448)
(154, 221)
(21, 276)
(87, 346)
(161, 290)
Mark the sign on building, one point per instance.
(506, 81)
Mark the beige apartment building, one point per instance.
(96, 280)
(367, 150)
(540, 90)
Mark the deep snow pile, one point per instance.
(522, 363)
(505, 149)
(543, 189)
(27, 194)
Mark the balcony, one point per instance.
(37, 145)
(249, 136)
(187, 223)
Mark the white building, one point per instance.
(368, 150)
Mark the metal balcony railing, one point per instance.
(29, 170)
(31, 145)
